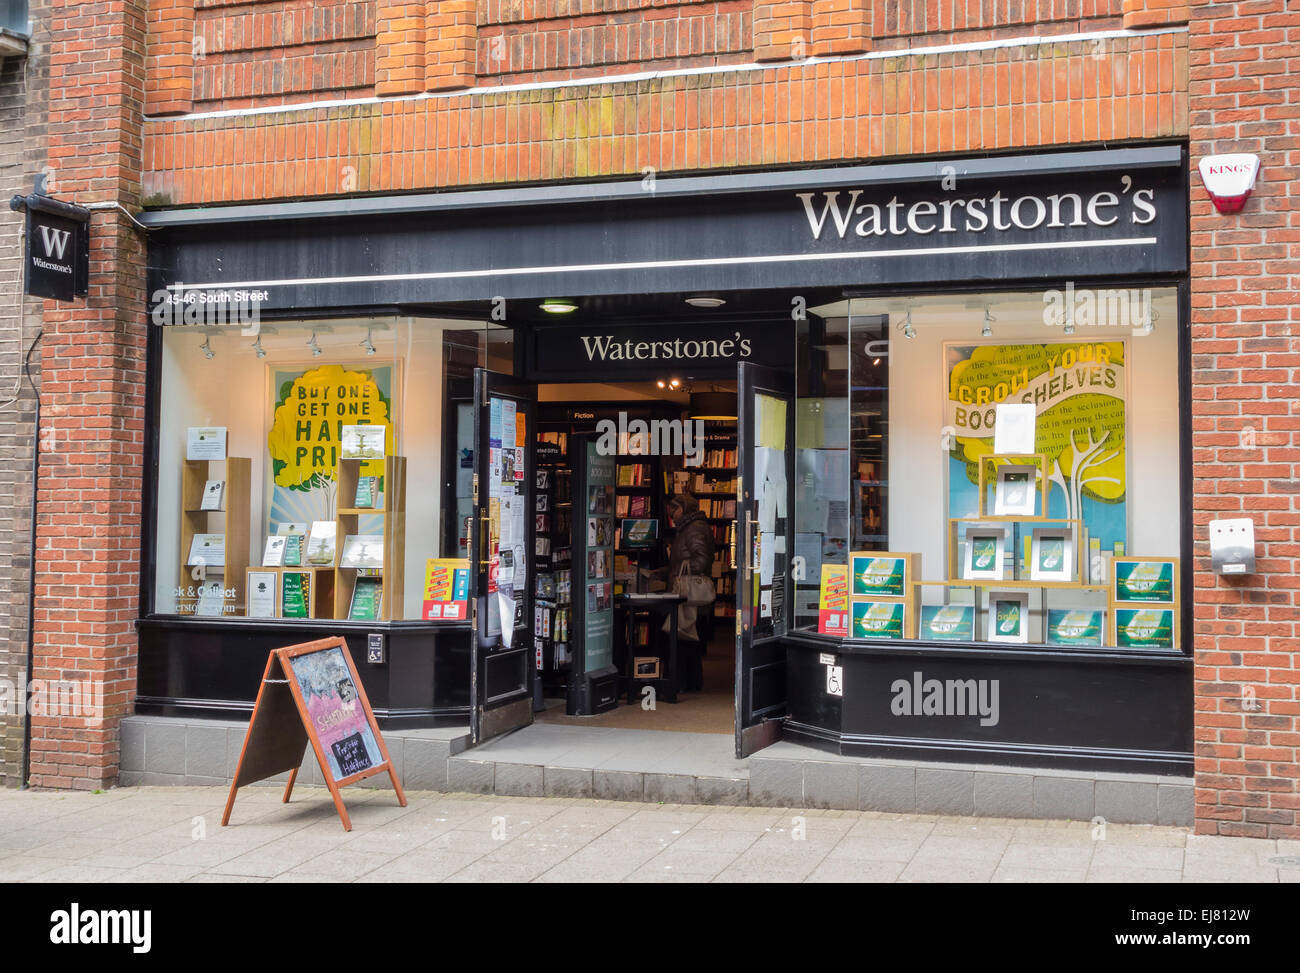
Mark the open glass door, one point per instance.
(501, 541)
(764, 538)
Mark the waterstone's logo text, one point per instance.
(841, 212)
(605, 347)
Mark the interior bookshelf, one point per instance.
(228, 517)
(552, 553)
(388, 502)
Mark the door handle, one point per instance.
(732, 544)
(750, 552)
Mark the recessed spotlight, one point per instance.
(705, 300)
(556, 305)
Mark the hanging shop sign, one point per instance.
(1096, 212)
(57, 260)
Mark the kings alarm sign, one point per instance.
(58, 246)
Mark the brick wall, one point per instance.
(87, 579)
(1050, 94)
(23, 84)
(1245, 318)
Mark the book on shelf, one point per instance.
(321, 545)
(273, 553)
(295, 594)
(633, 474)
(293, 550)
(367, 599)
(213, 491)
(208, 550)
(363, 551)
(367, 491)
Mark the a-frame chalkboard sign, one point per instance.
(310, 693)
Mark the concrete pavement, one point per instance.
(173, 834)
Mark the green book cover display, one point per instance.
(1074, 626)
(293, 550)
(879, 576)
(1144, 581)
(366, 489)
(366, 597)
(1144, 628)
(1051, 554)
(295, 594)
(951, 623)
(878, 619)
(1008, 620)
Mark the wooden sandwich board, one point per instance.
(310, 693)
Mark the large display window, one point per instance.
(996, 468)
(299, 466)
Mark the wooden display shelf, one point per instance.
(231, 521)
(392, 511)
(320, 602)
(1014, 584)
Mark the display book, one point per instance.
(214, 535)
(351, 568)
(552, 554)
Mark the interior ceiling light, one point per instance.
(713, 405)
(206, 348)
(369, 343)
(674, 383)
(558, 305)
(311, 343)
(257, 347)
(705, 300)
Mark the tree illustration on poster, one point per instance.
(309, 410)
(1080, 390)
(310, 694)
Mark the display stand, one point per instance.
(230, 519)
(552, 548)
(390, 506)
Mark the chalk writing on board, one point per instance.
(350, 753)
(337, 716)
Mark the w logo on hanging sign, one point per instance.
(55, 241)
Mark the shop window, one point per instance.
(273, 498)
(1053, 522)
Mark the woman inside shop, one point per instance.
(691, 555)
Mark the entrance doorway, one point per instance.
(674, 447)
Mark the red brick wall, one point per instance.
(985, 100)
(1245, 315)
(87, 577)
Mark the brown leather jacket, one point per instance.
(692, 544)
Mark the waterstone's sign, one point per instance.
(656, 350)
(1044, 217)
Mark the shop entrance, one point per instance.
(597, 502)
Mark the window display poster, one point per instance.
(1080, 390)
(599, 619)
(261, 594)
(833, 600)
(446, 588)
(1144, 628)
(1074, 627)
(309, 409)
(1144, 581)
(205, 442)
